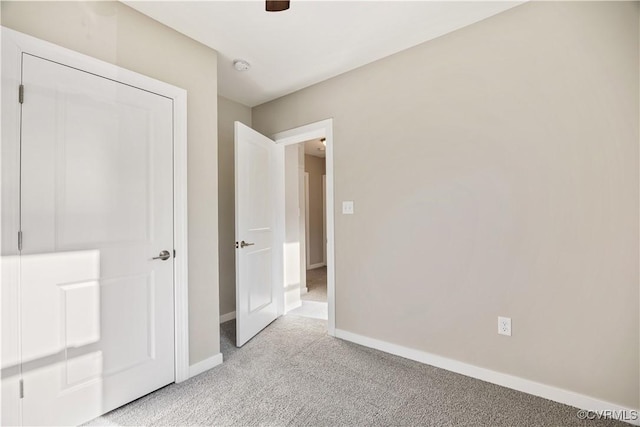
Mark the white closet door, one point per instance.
(96, 207)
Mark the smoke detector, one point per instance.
(241, 65)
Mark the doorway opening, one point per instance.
(311, 202)
(314, 138)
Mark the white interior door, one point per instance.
(97, 322)
(255, 175)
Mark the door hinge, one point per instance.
(21, 94)
(21, 389)
(20, 240)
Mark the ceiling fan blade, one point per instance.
(277, 5)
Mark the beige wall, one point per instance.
(315, 167)
(115, 33)
(494, 172)
(228, 112)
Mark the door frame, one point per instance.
(320, 129)
(14, 44)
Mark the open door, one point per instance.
(255, 175)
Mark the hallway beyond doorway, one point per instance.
(316, 285)
(314, 302)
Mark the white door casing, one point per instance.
(97, 319)
(257, 272)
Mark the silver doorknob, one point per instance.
(164, 255)
(243, 244)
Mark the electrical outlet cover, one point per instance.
(504, 326)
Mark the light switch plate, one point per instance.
(347, 207)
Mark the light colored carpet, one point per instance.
(317, 285)
(293, 374)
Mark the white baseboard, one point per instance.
(226, 317)
(516, 383)
(314, 266)
(205, 365)
(304, 290)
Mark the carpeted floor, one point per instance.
(317, 285)
(293, 374)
